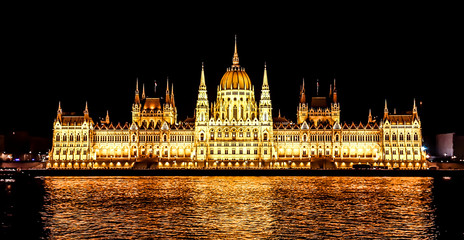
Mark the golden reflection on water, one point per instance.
(238, 207)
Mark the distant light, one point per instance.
(17, 159)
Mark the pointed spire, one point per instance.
(59, 112)
(303, 93)
(265, 81)
(143, 91)
(202, 79)
(334, 92)
(137, 97)
(172, 95)
(235, 58)
(137, 86)
(385, 110)
(107, 118)
(279, 112)
(167, 90)
(86, 110)
(317, 87)
(370, 116)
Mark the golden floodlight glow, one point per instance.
(238, 129)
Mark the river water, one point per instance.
(234, 208)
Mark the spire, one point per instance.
(107, 118)
(137, 97)
(143, 91)
(302, 93)
(414, 109)
(235, 58)
(167, 91)
(317, 87)
(265, 82)
(202, 80)
(385, 110)
(370, 116)
(172, 95)
(86, 110)
(59, 112)
(334, 92)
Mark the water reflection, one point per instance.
(243, 207)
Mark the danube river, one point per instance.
(234, 208)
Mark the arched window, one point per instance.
(387, 137)
(416, 137)
(265, 136)
(78, 138)
(202, 136)
(57, 138)
(401, 137)
(304, 138)
(85, 137)
(165, 137)
(71, 138)
(408, 137)
(235, 112)
(394, 137)
(64, 138)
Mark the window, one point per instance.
(416, 137)
(394, 137)
(202, 136)
(401, 137)
(265, 136)
(57, 138)
(387, 137)
(255, 151)
(212, 136)
(408, 137)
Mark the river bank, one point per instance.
(244, 172)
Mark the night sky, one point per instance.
(396, 55)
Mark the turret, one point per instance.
(202, 108)
(86, 111)
(265, 105)
(385, 110)
(59, 113)
(302, 111)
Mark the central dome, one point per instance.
(235, 78)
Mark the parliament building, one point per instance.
(237, 130)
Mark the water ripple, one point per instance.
(238, 208)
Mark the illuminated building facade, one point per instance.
(237, 131)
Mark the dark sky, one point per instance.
(375, 55)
